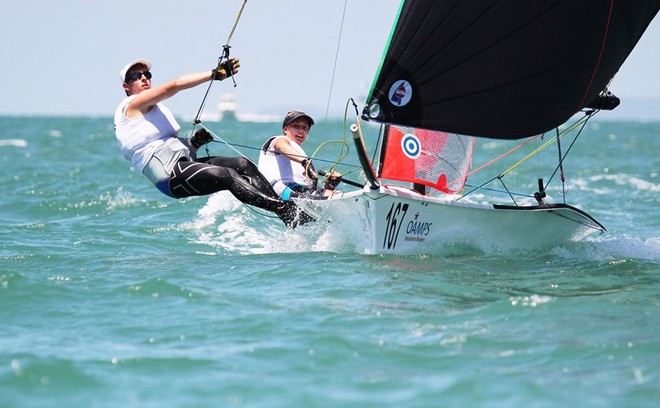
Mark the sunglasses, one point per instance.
(299, 126)
(137, 75)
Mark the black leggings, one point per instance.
(236, 174)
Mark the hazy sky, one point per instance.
(64, 56)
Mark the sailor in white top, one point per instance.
(286, 165)
(147, 133)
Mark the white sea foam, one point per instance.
(120, 199)
(628, 247)
(13, 142)
(610, 247)
(529, 301)
(627, 180)
(228, 225)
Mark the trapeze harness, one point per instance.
(152, 144)
(286, 176)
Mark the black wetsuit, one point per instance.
(212, 174)
(237, 174)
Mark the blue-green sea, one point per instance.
(114, 295)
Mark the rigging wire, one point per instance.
(223, 57)
(344, 149)
(234, 146)
(334, 68)
(544, 146)
(344, 146)
(561, 169)
(231, 33)
(586, 118)
(342, 154)
(580, 123)
(496, 159)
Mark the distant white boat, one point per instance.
(227, 110)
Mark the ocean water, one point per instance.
(113, 295)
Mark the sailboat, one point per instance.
(454, 72)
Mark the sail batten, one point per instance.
(498, 69)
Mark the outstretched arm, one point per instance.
(148, 98)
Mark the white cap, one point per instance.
(128, 66)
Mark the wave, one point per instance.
(625, 180)
(13, 142)
(623, 246)
(610, 248)
(225, 224)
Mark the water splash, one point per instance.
(229, 226)
(120, 199)
(611, 247)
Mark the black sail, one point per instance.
(502, 69)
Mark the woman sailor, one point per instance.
(286, 166)
(147, 133)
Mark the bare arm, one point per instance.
(148, 98)
(283, 147)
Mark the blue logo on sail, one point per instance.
(400, 93)
(411, 146)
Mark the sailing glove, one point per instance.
(310, 172)
(332, 182)
(226, 69)
(201, 137)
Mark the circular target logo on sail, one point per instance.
(411, 146)
(400, 92)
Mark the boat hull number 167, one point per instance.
(393, 222)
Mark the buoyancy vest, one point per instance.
(151, 141)
(278, 169)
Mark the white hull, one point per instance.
(396, 220)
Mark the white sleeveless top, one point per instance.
(277, 167)
(140, 138)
